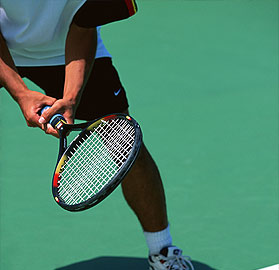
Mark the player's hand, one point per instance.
(61, 106)
(31, 103)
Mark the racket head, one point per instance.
(96, 161)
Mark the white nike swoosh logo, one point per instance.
(117, 92)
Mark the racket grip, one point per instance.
(56, 120)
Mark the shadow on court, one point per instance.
(120, 263)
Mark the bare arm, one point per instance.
(29, 101)
(80, 52)
(9, 78)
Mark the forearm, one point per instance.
(30, 102)
(80, 52)
(9, 77)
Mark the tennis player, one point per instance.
(57, 45)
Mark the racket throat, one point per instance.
(62, 142)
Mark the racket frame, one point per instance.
(63, 129)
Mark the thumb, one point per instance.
(42, 119)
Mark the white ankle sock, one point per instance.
(158, 240)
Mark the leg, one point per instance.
(144, 192)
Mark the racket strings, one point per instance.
(79, 163)
(80, 188)
(75, 186)
(75, 171)
(122, 136)
(95, 160)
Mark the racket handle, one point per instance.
(56, 120)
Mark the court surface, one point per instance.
(202, 79)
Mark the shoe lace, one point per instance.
(182, 262)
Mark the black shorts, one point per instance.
(103, 93)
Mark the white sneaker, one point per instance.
(170, 258)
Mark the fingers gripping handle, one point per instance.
(56, 120)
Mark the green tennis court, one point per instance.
(202, 76)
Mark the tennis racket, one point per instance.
(96, 161)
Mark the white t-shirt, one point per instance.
(36, 30)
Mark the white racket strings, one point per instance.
(95, 160)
